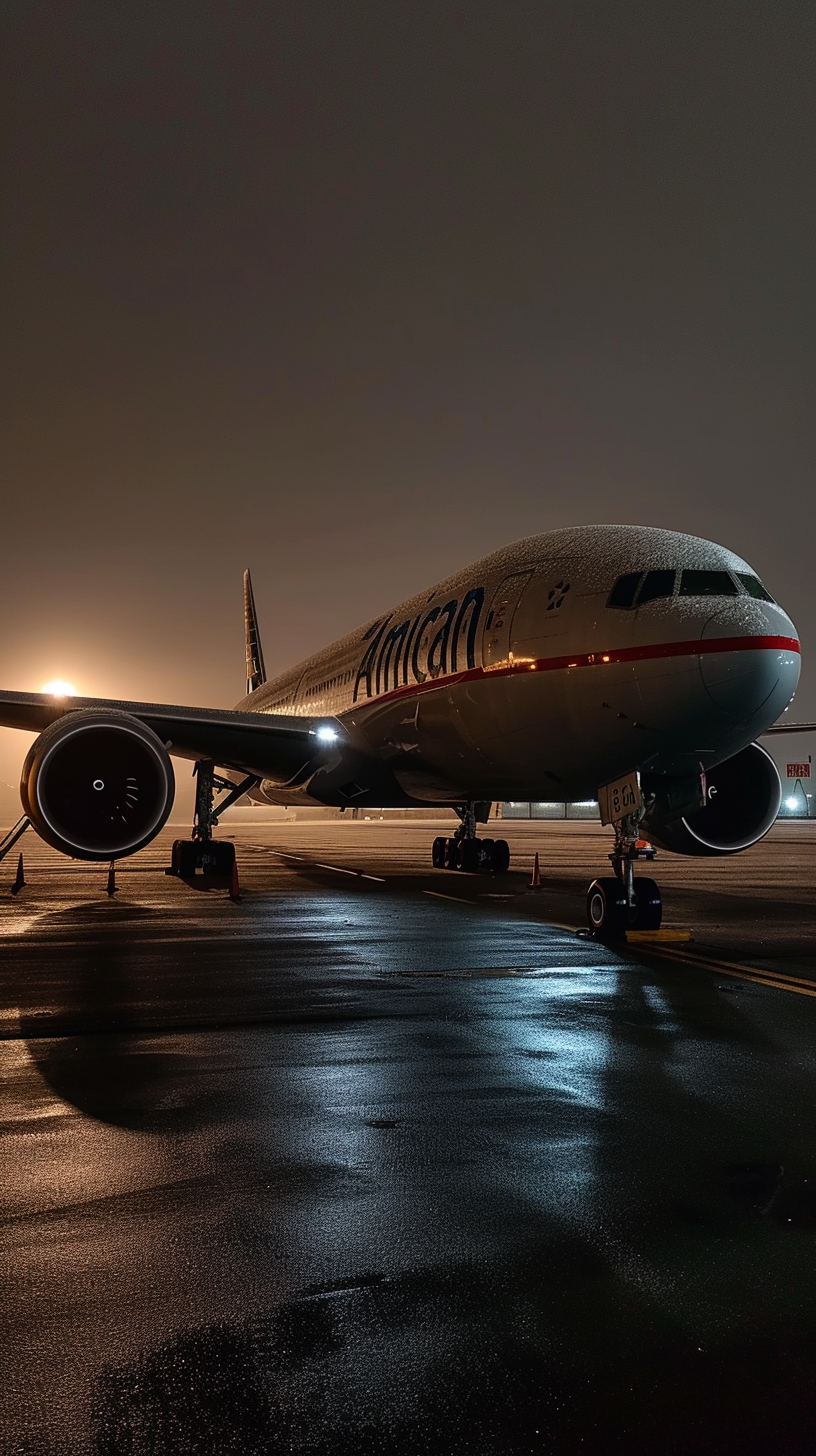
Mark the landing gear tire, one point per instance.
(649, 912)
(222, 857)
(184, 858)
(607, 910)
(451, 853)
(467, 857)
(215, 857)
(438, 852)
(500, 857)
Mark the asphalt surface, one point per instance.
(346, 1166)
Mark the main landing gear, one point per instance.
(620, 903)
(464, 851)
(202, 852)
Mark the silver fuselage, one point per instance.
(515, 679)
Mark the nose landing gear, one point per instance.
(619, 903)
(465, 851)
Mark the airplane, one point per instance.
(627, 664)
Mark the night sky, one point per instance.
(355, 293)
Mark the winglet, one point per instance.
(255, 670)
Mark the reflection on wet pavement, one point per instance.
(354, 1171)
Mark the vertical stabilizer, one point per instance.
(255, 670)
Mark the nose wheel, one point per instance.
(610, 913)
(617, 903)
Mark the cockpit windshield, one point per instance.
(636, 588)
(623, 592)
(754, 586)
(656, 584)
(708, 584)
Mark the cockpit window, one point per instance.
(623, 592)
(657, 584)
(638, 587)
(707, 584)
(652, 584)
(753, 586)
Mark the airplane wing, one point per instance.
(267, 745)
(790, 728)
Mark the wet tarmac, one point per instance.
(346, 1166)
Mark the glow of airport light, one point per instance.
(58, 688)
(790, 803)
(327, 734)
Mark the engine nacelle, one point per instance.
(97, 784)
(743, 796)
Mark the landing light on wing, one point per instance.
(326, 734)
(59, 688)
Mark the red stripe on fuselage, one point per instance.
(649, 651)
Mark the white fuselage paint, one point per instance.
(515, 679)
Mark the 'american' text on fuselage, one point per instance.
(434, 643)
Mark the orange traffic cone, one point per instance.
(234, 888)
(535, 883)
(19, 879)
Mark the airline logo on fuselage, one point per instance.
(437, 641)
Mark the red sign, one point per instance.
(798, 770)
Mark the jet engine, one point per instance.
(97, 785)
(742, 799)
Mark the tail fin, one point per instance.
(255, 670)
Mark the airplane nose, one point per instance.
(756, 669)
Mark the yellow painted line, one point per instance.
(742, 973)
(656, 937)
(740, 969)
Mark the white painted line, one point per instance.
(338, 869)
(457, 898)
(379, 878)
(281, 853)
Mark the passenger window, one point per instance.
(707, 584)
(753, 586)
(657, 584)
(623, 592)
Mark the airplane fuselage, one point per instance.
(545, 670)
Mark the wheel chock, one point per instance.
(535, 882)
(657, 937)
(19, 878)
